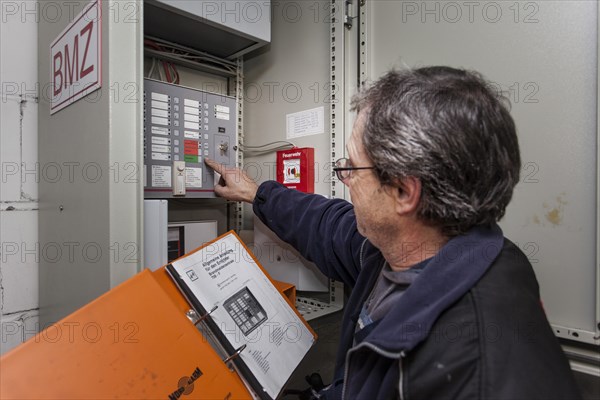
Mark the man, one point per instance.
(442, 305)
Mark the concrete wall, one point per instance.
(19, 246)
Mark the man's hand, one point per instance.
(234, 184)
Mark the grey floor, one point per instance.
(321, 359)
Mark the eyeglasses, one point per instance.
(343, 168)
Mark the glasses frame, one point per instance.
(340, 170)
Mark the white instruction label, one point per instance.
(193, 177)
(305, 123)
(161, 176)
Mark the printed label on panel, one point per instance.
(161, 176)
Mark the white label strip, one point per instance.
(160, 140)
(160, 105)
(159, 113)
(222, 109)
(160, 121)
(224, 116)
(191, 118)
(191, 125)
(193, 177)
(161, 156)
(193, 111)
(191, 103)
(191, 135)
(159, 96)
(304, 123)
(161, 176)
(158, 130)
(161, 149)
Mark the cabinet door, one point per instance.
(543, 56)
(90, 158)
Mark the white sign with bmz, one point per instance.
(76, 58)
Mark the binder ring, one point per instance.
(235, 355)
(202, 318)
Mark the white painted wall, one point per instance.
(19, 246)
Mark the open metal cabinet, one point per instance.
(92, 151)
(91, 171)
(295, 71)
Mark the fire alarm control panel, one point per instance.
(182, 126)
(296, 168)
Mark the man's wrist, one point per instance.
(251, 195)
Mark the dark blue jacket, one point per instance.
(470, 326)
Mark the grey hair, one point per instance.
(450, 129)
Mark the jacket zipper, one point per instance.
(362, 248)
(376, 350)
(401, 378)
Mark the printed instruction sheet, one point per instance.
(250, 311)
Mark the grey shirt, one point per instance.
(387, 290)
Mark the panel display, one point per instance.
(182, 124)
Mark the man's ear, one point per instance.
(407, 195)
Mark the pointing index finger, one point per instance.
(214, 165)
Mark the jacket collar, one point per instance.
(448, 276)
